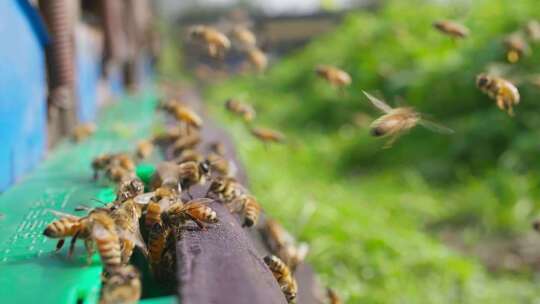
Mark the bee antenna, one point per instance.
(99, 201)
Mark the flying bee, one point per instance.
(144, 149)
(451, 28)
(216, 42)
(83, 131)
(280, 242)
(283, 276)
(187, 116)
(533, 30)
(257, 59)
(246, 111)
(126, 218)
(196, 210)
(121, 285)
(185, 142)
(193, 173)
(243, 37)
(250, 209)
(501, 90)
(516, 47)
(336, 77)
(333, 297)
(268, 135)
(129, 188)
(397, 121)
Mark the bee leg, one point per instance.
(89, 251)
(391, 141)
(59, 244)
(500, 103)
(197, 221)
(72, 244)
(189, 194)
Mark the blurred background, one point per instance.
(433, 219)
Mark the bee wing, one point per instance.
(143, 199)
(197, 202)
(99, 231)
(435, 127)
(136, 238)
(379, 104)
(60, 214)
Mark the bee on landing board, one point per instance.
(281, 243)
(397, 121)
(121, 285)
(505, 94)
(144, 149)
(250, 209)
(192, 173)
(215, 42)
(129, 188)
(451, 28)
(126, 217)
(283, 276)
(334, 76)
(196, 210)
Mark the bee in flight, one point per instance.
(506, 95)
(397, 121)
(516, 47)
(243, 37)
(257, 59)
(215, 42)
(451, 28)
(268, 135)
(245, 110)
(336, 77)
(332, 296)
(283, 276)
(533, 30)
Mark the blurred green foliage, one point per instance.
(374, 217)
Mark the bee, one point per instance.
(192, 173)
(97, 227)
(336, 77)
(250, 209)
(240, 108)
(188, 155)
(244, 37)
(195, 210)
(166, 176)
(516, 47)
(283, 276)
(126, 218)
(219, 164)
(332, 296)
(267, 135)
(226, 188)
(83, 131)
(157, 237)
(119, 161)
(501, 90)
(168, 136)
(397, 121)
(216, 42)
(282, 244)
(217, 148)
(129, 188)
(144, 149)
(118, 174)
(186, 142)
(533, 30)
(187, 116)
(121, 285)
(536, 225)
(451, 28)
(257, 59)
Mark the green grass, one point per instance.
(375, 218)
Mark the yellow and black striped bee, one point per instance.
(397, 121)
(281, 243)
(250, 209)
(193, 173)
(505, 94)
(283, 276)
(196, 210)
